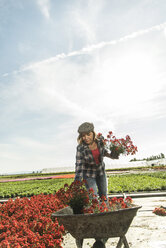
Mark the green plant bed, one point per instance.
(136, 183)
(33, 187)
(158, 174)
(139, 168)
(116, 184)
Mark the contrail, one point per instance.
(90, 48)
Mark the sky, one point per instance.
(63, 63)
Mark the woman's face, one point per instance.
(87, 138)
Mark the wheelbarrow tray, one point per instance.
(100, 225)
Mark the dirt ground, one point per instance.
(146, 231)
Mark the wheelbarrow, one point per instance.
(100, 226)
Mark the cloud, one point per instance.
(100, 90)
(107, 83)
(44, 6)
(165, 31)
(91, 48)
(110, 75)
(84, 16)
(27, 154)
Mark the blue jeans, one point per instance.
(98, 184)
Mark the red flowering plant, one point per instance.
(76, 196)
(160, 211)
(112, 204)
(84, 201)
(118, 146)
(27, 222)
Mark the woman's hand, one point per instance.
(112, 155)
(115, 156)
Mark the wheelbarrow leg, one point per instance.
(122, 241)
(126, 245)
(79, 243)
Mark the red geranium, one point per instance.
(118, 146)
(160, 211)
(27, 222)
(84, 201)
(112, 204)
(76, 196)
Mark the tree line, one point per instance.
(160, 156)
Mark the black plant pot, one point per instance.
(77, 209)
(115, 154)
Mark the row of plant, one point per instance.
(118, 183)
(137, 182)
(30, 175)
(158, 174)
(30, 188)
(139, 168)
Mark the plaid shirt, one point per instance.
(85, 163)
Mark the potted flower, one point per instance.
(112, 204)
(76, 196)
(160, 211)
(84, 201)
(99, 220)
(118, 146)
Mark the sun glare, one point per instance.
(129, 78)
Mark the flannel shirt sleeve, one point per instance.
(79, 164)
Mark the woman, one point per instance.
(89, 159)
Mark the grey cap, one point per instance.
(86, 127)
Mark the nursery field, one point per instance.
(137, 182)
(116, 183)
(26, 220)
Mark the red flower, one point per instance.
(24, 222)
(160, 211)
(27, 222)
(119, 146)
